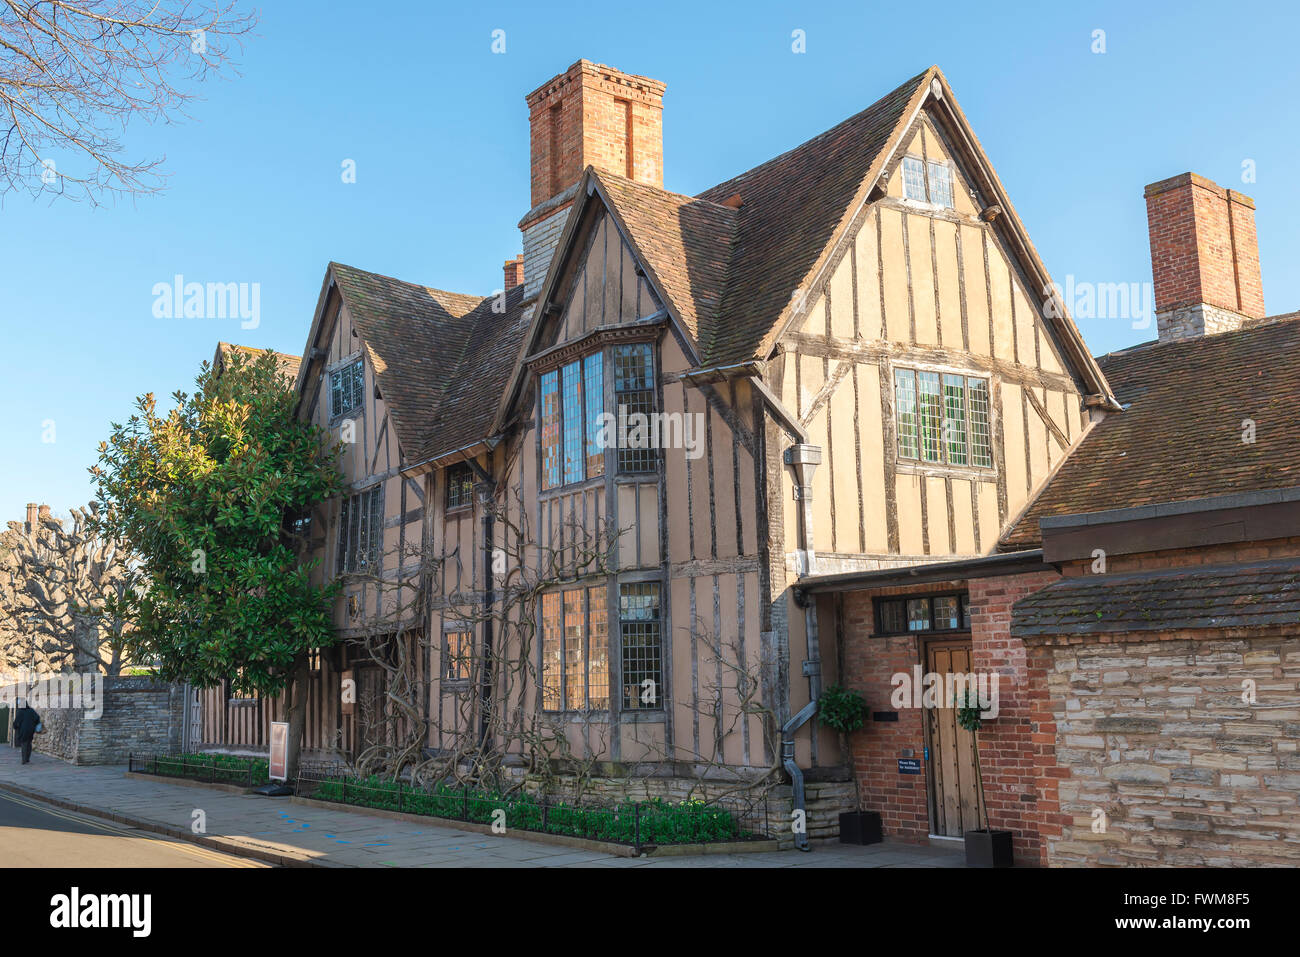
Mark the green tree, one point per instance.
(206, 496)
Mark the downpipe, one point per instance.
(803, 459)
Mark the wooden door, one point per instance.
(954, 791)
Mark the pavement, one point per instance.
(274, 831)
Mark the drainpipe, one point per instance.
(804, 459)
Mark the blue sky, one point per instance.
(437, 126)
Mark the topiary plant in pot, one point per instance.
(845, 711)
(985, 847)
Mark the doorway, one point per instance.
(954, 790)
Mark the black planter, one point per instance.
(988, 848)
(860, 827)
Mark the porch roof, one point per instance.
(1252, 594)
(1008, 563)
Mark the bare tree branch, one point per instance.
(73, 75)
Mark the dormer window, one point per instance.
(927, 182)
(460, 486)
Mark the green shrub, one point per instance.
(220, 768)
(841, 709)
(661, 822)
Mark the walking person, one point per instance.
(26, 723)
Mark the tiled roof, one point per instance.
(1180, 436)
(288, 364)
(468, 405)
(421, 343)
(1256, 594)
(685, 241)
(790, 208)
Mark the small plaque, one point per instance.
(909, 765)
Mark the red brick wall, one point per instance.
(869, 663)
(1203, 246)
(1017, 749)
(592, 115)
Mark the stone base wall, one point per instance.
(1164, 759)
(140, 715)
(824, 801)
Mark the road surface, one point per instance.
(33, 834)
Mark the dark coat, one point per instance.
(25, 722)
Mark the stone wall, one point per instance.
(1161, 760)
(824, 801)
(140, 715)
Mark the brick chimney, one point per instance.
(514, 272)
(33, 510)
(589, 115)
(1204, 257)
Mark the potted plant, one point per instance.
(985, 847)
(846, 711)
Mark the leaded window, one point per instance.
(551, 421)
(634, 394)
(942, 418)
(575, 650)
(457, 652)
(940, 184)
(927, 181)
(347, 388)
(573, 399)
(913, 613)
(640, 628)
(914, 179)
(460, 486)
(361, 531)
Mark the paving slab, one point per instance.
(275, 831)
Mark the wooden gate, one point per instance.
(954, 791)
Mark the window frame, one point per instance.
(454, 478)
(580, 438)
(588, 663)
(927, 182)
(450, 662)
(915, 435)
(343, 552)
(359, 387)
(634, 705)
(963, 613)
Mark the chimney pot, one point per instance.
(514, 272)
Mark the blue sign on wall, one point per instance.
(909, 765)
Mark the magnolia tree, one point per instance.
(205, 495)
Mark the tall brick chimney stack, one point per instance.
(1204, 257)
(589, 115)
(33, 510)
(514, 272)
